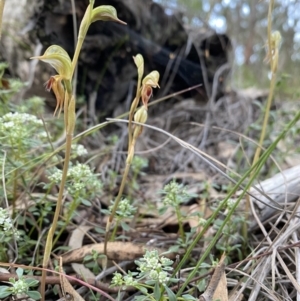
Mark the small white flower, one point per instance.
(153, 274)
(79, 149)
(163, 277)
(166, 261)
(8, 125)
(7, 225)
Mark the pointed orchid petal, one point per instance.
(59, 59)
(55, 83)
(105, 13)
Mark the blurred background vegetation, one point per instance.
(245, 21)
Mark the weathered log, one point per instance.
(280, 190)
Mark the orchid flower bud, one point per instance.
(139, 62)
(275, 40)
(105, 13)
(141, 115)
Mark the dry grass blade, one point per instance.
(264, 266)
(288, 273)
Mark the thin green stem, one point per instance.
(112, 238)
(180, 224)
(122, 186)
(116, 204)
(84, 26)
(72, 208)
(15, 192)
(49, 245)
(272, 85)
(118, 198)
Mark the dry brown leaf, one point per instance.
(75, 242)
(67, 288)
(217, 287)
(77, 236)
(221, 292)
(118, 251)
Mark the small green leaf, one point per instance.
(105, 211)
(87, 257)
(4, 291)
(143, 290)
(171, 295)
(19, 272)
(100, 230)
(125, 227)
(34, 295)
(157, 292)
(31, 282)
(189, 297)
(105, 13)
(86, 203)
(62, 248)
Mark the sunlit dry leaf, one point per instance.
(118, 251)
